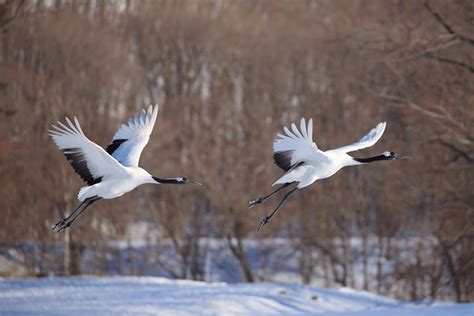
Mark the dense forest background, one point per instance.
(228, 75)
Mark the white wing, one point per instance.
(129, 140)
(296, 146)
(90, 161)
(368, 140)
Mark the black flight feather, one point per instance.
(78, 162)
(114, 145)
(283, 159)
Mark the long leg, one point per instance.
(267, 218)
(65, 223)
(71, 219)
(260, 200)
(73, 212)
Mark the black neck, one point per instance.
(166, 181)
(372, 159)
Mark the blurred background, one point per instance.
(228, 75)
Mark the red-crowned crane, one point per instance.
(112, 172)
(303, 162)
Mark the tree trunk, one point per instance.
(237, 250)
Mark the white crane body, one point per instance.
(112, 172)
(115, 187)
(313, 170)
(304, 163)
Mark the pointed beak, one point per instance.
(397, 156)
(193, 182)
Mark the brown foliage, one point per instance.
(228, 75)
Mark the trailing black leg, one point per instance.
(89, 202)
(267, 219)
(65, 223)
(260, 200)
(67, 218)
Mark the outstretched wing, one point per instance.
(90, 161)
(367, 141)
(130, 139)
(296, 146)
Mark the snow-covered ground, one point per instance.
(160, 296)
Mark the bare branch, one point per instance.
(446, 26)
(4, 8)
(443, 114)
(459, 152)
(450, 61)
(400, 100)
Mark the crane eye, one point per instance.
(184, 179)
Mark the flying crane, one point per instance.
(303, 162)
(112, 172)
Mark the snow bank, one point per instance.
(160, 296)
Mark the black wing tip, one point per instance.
(283, 159)
(114, 145)
(77, 160)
